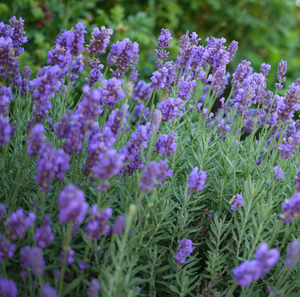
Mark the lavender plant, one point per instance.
(133, 188)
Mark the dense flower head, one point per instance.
(115, 119)
(43, 236)
(282, 67)
(67, 257)
(89, 108)
(60, 56)
(32, 258)
(17, 26)
(250, 271)
(96, 74)
(5, 130)
(232, 49)
(93, 288)
(35, 140)
(7, 57)
(7, 249)
(108, 163)
(8, 288)
(123, 54)
(164, 38)
(166, 144)
(141, 92)
(134, 75)
(236, 202)
(75, 39)
(290, 102)
(111, 92)
(132, 149)
(279, 174)
(159, 79)
(48, 291)
(119, 225)
(242, 71)
(156, 118)
(51, 163)
(265, 68)
(97, 224)
(170, 109)
(100, 40)
(154, 174)
(196, 180)
(186, 87)
(77, 67)
(6, 97)
(72, 205)
(297, 180)
(185, 249)
(17, 222)
(291, 208)
(293, 253)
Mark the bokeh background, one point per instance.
(267, 30)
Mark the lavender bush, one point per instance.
(134, 188)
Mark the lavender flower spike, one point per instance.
(185, 249)
(293, 253)
(8, 288)
(196, 180)
(279, 174)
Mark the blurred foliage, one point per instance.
(267, 30)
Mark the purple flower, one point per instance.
(247, 272)
(107, 164)
(279, 174)
(75, 39)
(265, 68)
(156, 118)
(170, 109)
(72, 205)
(164, 38)
(48, 291)
(282, 67)
(186, 87)
(5, 130)
(119, 225)
(291, 208)
(196, 180)
(8, 288)
(6, 97)
(141, 92)
(293, 253)
(77, 67)
(96, 74)
(296, 182)
(290, 103)
(185, 249)
(115, 118)
(7, 249)
(35, 140)
(166, 144)
(97, 224)
(43, 236)
(232, 49)
(61, 57)
(137, 113)
(94, 288)
(56, 273)
(67, 257)
(267, 258)
(159, 79)
(7, 57)
(134, 75)
(123, 54)
(154, 174)
(82, 265)
(17, 223)
(32, 258)
(236, 202)
(99, 41)
(242, 71)
(2, 210)
(17, 29)
(111, 92)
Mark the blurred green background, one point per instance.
(267, 30)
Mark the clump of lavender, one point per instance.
(8, 288)
(170, 109)
(154, 174)
(111, 92)
(141, 92)
(297, 180)
(32, 258)
(100, 40)
(44, 235)
(72, 205)
(291, 208)
(163, 43)
(185, 249)
(97, 224)
(123, 54)
(197, 180)
(279, 174)
(17, 223)
(166, 144)
(186, 86)
(7, 249)
(250, 271)
(94, 288)
(293, 253)
(236, 202)
(35, 140)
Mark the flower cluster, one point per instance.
(170, 109)
(291, 208)
(196, 180)
(185, 249)
(166, 144)
(250, 271)
(99, 41)
(236, 202)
